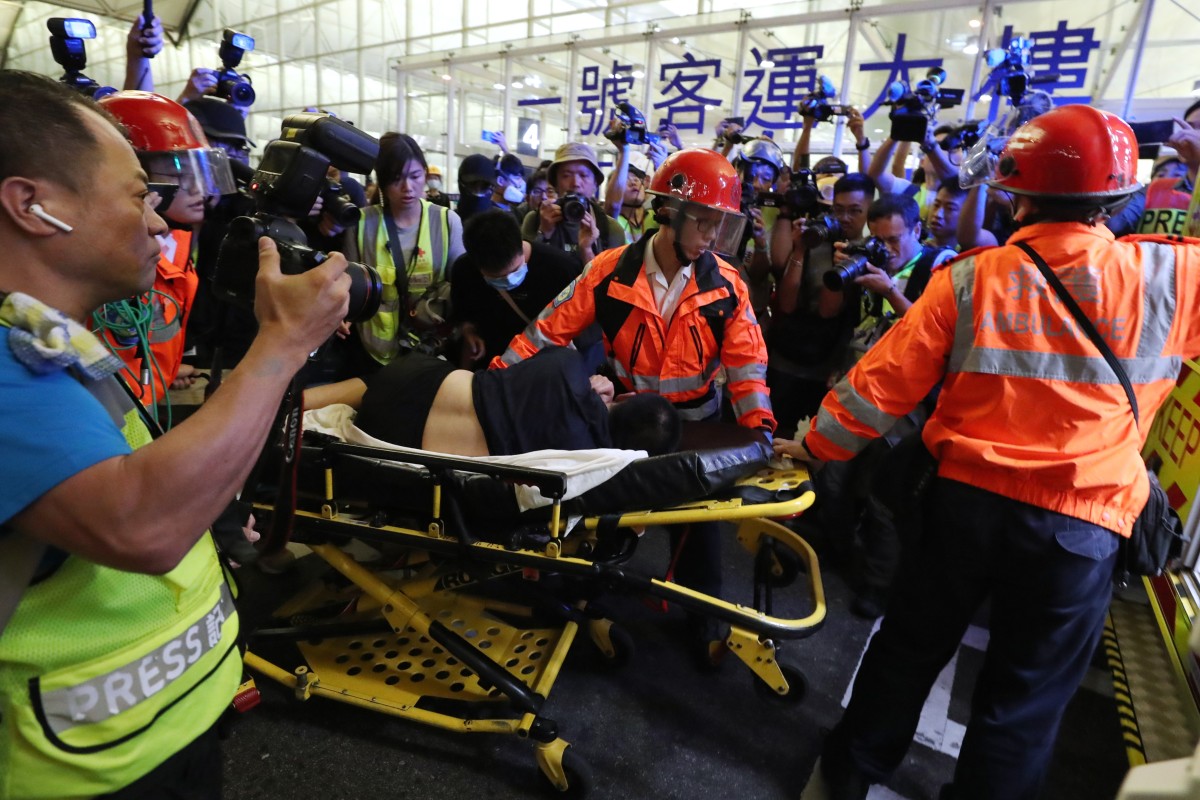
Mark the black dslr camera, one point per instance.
(573, 205)
(285, 186)
(801, 198)
(913, 109)
(629, 127)
(66, 45)
(817, 105)
(230, 85)
(871, 251)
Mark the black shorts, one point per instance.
(399, 397)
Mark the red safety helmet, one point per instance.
(170, 142)
(702, 178)
(1073, 151)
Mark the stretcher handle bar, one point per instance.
(552, 485)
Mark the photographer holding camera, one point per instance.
(119, 654)
(761, 168)
(574, 222)
(810, 324)
(625, 190)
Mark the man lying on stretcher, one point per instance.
(545, 402)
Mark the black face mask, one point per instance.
(472, 204)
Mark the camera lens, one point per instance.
(339, 207)
(572, 207)
(242, 94)
(836, 279)
(820, 232)
(366, 290)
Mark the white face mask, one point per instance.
(434, 184)
(514, 192)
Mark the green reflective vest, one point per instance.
(425, 266)
(105, 674)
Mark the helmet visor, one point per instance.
(712, 228)
(208, 170)
(979, 164)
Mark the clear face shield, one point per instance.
(979, 163)
(707, 228)
(207, 170)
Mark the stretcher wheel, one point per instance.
(797, 687)
(578, 774)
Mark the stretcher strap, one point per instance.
(288, 424)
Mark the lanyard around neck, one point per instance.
(394, 239)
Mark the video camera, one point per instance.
(66, 45)
(914, 108)
(232, 86)
(1011, 75)
(628, 126)
(285, 186)
(963, 136)
(871, 251)
(817, 105)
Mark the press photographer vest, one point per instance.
(425, 266)
(1166, 210)
(104, 674)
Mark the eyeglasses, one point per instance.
(541, 192)
(705, 226)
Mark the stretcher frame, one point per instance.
(479, 652)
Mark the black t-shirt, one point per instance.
(543, 402)
(474, 301)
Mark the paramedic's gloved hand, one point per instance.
(795, 449)
(299, 312)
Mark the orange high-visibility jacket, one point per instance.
(176, 278)
(1029, 408)
(713, 327)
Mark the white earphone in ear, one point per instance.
(41, 213)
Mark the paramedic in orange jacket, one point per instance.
(186, 170)
(1039, 470)
(672, 316)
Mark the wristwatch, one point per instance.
(865, 144)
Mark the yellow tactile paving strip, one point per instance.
(1156, 708)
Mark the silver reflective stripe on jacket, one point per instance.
(1148, 366)
(859, 408)
(105, 696)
